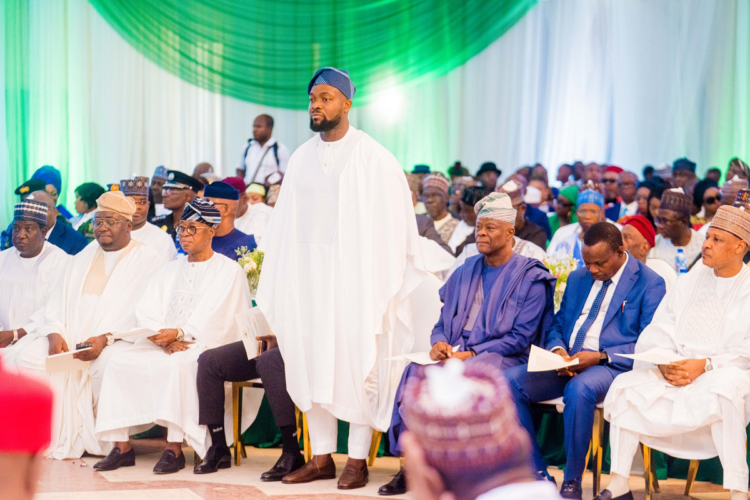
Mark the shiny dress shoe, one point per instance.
(169, 463)
(607, 495)
(287, 463)
(311, 471)
(216, 458)
(355, 475)
(397, 486)
(543, 475)
(571, 489)
(115, 460)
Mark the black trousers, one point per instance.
(229, 363)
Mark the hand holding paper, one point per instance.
(420, 358)
(65, 362)
(543, 361)
(252, 324)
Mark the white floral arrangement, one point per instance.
(560, 266)
(251, 263)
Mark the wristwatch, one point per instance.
(180, 335)
(709, 366)
(110, 339)
(603, 358)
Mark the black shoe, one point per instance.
(397, 486)
(169, 463)
(115, 460)
(543, 475)
(287, 463)
(607, 495)
(216, 458)
(571, 489)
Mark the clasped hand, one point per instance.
(441, 351)
(167, 340)
(682, 373)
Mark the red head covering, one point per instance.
(613, 168)
(25, 413)
(643, 226)
(237, 183)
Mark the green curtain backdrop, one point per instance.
(264, 51)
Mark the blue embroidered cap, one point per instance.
(335, 78)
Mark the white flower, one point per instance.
(250, 266)
(247, 268)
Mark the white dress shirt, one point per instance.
(261, 158)
(592, 337)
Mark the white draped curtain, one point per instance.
(625, 82)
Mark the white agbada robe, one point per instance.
(144, 385)
(436, 260)
(462, 231)
(157, 239)
(26, 287)
(342, 255)
(254, 220)
(521, 247)
(97, 294)
(665, 250)
(701, 316)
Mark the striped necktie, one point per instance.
(593, 313)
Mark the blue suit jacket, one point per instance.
(67, 239)
(613, 213)
(540, 219)
(633, 304)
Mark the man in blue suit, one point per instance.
(605, 308)
(61, 234)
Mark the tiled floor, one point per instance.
(75, 480)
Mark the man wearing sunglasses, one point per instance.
(137, 190)
(95, 297)
(179, 189)
(191, 302)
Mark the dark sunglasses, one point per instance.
(712, 199)
(609, 181)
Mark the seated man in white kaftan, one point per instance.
(191, 302)
(28, 270)
(695, 408)
(137, 190)
(94, 298)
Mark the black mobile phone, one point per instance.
(83, 345)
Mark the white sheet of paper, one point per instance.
(657, 356)
(251, 324)
(64, 362)
(545, 361)
(420, 358)
(140, 332)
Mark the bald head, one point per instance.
(51, 208)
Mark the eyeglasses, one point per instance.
(609, 181)
(141, 203)
(171, 190)
(109, 222)
(189, 230)
(712, 199)
(566, 204)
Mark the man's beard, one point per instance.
(325, 125)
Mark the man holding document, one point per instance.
(494, 307)
(693, 403)
(94, 298)
(605, 307)
(191, 302)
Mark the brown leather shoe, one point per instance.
(319, 467)
(355, 475)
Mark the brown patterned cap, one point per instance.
(676, 200)
(733, 220)
(137, 186)
(436, 180)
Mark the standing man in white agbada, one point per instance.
(696, 408)
(137, 190)
(94, 298)
(191, 302)
(263, 154)
(28, 270)
(342, 256)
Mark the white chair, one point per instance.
(597, 436)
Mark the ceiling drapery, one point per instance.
(265, 51)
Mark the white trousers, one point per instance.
(728, 436)
(323, 428)
(174, 434)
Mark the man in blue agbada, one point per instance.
(494, 307)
